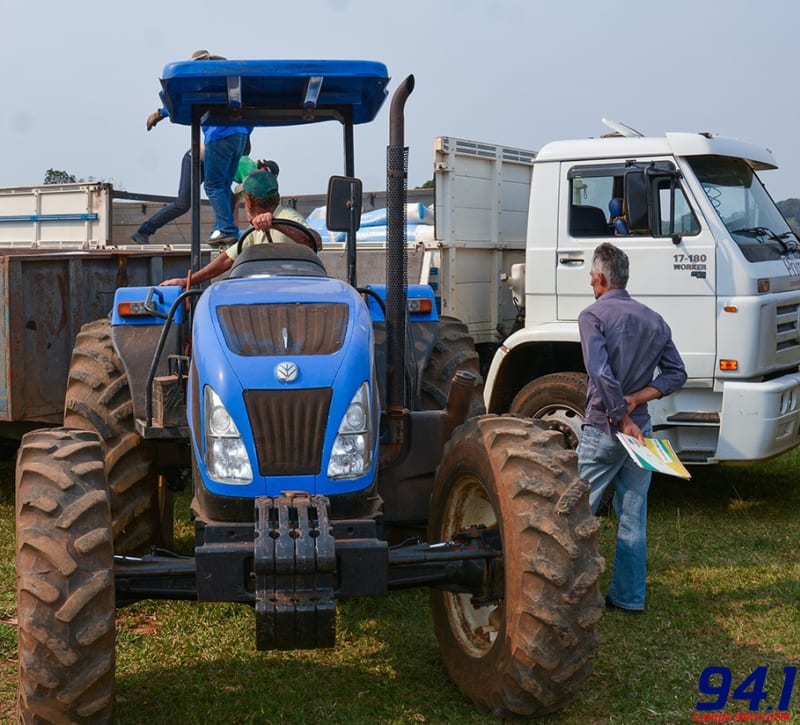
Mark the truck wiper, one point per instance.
(758, 233)
(794, 242)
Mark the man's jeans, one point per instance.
(178, 207)
(603, 462)
(219, 167)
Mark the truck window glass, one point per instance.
(744, 206)
(685, 221)
(589, 209)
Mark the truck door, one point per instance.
(672, 254)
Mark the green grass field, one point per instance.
(723, 590)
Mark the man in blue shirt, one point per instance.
(223, 146)
(623, 343)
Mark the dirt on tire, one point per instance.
(99, 399)
(529, 653)
(65, 579)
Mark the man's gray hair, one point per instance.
(610, 261)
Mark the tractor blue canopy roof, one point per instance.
(274, 92)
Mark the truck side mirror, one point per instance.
(637, 202)
(642, 185)
(343, 213)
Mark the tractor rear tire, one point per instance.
(99, 399)
(65, 579)
(558, 400)
(454, 350)
(529, 651)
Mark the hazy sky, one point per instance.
(80, 77)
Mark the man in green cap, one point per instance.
(262, 206)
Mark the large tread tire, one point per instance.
(65, 579)
(558, 400)
(530, 652)
(99, 399)
(454, 350)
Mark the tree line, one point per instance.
(790, 208)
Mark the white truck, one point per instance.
(709, 250)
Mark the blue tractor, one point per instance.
(312, 419)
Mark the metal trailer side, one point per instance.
(481, 219)
(45, 297)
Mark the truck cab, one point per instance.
(708, 249)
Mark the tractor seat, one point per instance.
(277, 260)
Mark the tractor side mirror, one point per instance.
(343, 213)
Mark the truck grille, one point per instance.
(284, 329)
(787, 333)
(289, 429)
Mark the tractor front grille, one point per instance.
(289, 429)
(309, 328)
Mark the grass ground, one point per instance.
(723, 590)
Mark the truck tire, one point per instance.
(529, 651)
(453, 351)
(558, 400)
(99, 399)
(65, 579)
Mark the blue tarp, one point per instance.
(373, 224)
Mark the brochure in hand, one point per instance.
(655, 454)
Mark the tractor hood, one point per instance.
(285, 356)
(259, 324)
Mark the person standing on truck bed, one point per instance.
(222, 148)
(182, 203)
(623, 343)
(262, 205)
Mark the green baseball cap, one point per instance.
(261, 184)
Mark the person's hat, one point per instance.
(269, 165)
(205, 55)
(261, 184)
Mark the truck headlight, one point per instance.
(226, 456)
(352, 451)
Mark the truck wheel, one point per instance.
(99, 399)
(453, 351)
(527, 650)
(65, 579)
(558, 400)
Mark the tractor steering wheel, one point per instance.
(310, 240)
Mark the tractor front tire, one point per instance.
(99, 399)
(454, 350)
(65, 579)
(528, 652)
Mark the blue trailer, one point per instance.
(313, 420)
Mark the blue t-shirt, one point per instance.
(214, 133)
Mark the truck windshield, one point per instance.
(745, 207)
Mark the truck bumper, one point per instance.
(759, 420)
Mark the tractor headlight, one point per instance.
(351, 454)
(226, 456)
